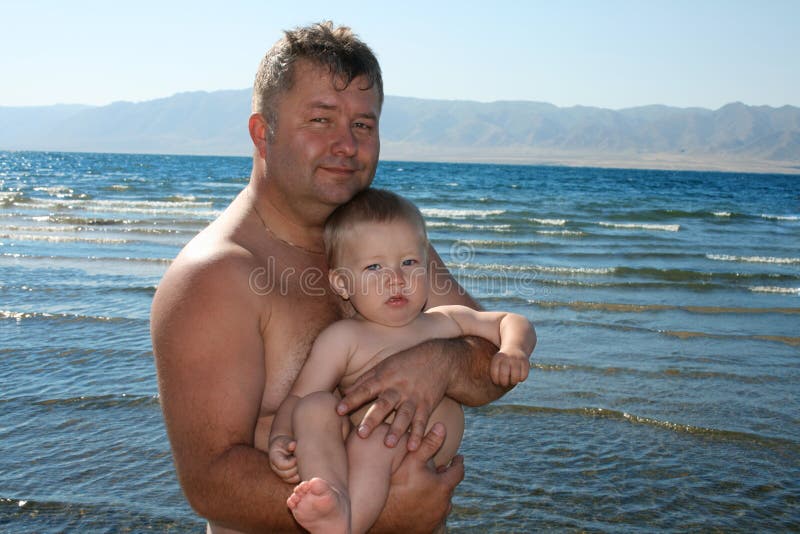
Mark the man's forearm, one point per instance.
(470, 382)
(241, 492)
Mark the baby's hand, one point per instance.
(282, 459)
(508, 370)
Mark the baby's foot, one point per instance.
(319, 507)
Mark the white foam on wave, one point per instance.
(465, 226)
(63, 239)
(642, 226)
(549, 222)
(16, 228)
(497, 243)
(781, 217)
(9, 197)
(560, 232)
(459, 214)
(151, 207)
(780, 290)
(722, 213)
(752, 259)
(59, 191)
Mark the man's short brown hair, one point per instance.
(337, 48)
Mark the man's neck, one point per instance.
(299, 230)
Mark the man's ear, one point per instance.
(258, 133)
(340, 282)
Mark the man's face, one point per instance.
(325, 145)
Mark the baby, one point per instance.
(377, 253)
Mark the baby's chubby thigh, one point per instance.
(451, 414)
(316, 414)
(373, 452)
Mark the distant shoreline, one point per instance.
(553, 158)
(641, 161)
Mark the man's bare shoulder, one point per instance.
(211, 272)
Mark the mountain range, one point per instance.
(733, 137)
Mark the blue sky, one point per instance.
(605, 53)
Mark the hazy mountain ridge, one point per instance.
(216, 123)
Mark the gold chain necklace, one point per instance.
(273, 234)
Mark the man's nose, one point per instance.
(345, 143)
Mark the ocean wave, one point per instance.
(684, 275)
(48, 228)
(781, 217)
(64, 239)
(64, 317)
(641, 308)
(150, 207)
(770, 289)
(562, 232)
(102, 401)
(642, 226)
(683, 334)
(123, 224)
(111, 259)
(459, 213)
(500, 410)
(549, 222)
(499, 243)
(667, 373)
(625, 285)
(752, 259)
(530, 268)
(58, 191)
(91, 229)
(466, 226)
(9, 198)
(721, 213)
(31, 514)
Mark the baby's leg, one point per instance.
(451, 414)
(320, 503)
(371, 466)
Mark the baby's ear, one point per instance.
(341, 281)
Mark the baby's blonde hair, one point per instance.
(371, 205)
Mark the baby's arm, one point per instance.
(324, 367)
(512, 332)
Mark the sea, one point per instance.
(664, 392)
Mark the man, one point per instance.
(237, 311)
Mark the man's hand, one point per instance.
(416, 486)
(411, 383)
(282, 458)
(507, 370)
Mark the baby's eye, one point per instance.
(373, 267)
(410, 261)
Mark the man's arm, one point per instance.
(414, 381)
(209, 355)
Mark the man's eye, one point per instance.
(320, 119)
(362, 125)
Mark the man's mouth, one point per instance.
(342, 169)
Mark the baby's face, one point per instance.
(383, 271)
